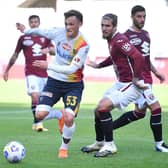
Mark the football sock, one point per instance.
(53, 114)
(159, 143)
(98, 130)
(107, 125)
(33, 108)
(127, 118)
(63, 144)
(67, 134)
(156, 125)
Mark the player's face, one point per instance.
(34, 23)
(139, 19)
(107, 28)
(72, 25)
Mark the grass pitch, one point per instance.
(134, 142)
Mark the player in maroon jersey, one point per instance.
(128, 63)
(141, 40)
(34, 48)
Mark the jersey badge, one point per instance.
(66, 46)
(126, 47)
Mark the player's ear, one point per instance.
(80, 24)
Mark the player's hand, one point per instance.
(45, 51)
(140, 84)
(161, 77)
(5, 76)
(41, 64)
(20, 27)
(92, 63)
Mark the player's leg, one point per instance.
(49, 96)
(99, 137)
(134, 115)
(155, 119)
(37, 125)
(103, 113)
(120, 98)
(71, 99)
(156, 126)
(99, 142)
(33, 89)
(129, 117)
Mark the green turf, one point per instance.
(135, 142)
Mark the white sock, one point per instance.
(53, 114)
(100, 142)
(109, 143)
(159, 143)
(67, 133)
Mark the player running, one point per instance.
(65, 74)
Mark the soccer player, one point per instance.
(34, 48)
(141, 40)
(65, 74)
(128, 63)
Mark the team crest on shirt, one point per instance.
(126, 47)
(42, 39)
(135, 41)
(66, 46)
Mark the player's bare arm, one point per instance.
(41, 64)
(50, 50)
(140, 84)
(10, 64)
(160, 76)
(92, 63)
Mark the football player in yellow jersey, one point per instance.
(65, 74)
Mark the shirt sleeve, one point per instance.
(77, 62)
(107, 62)
(19, 46)
(48, 33)
(130, 50)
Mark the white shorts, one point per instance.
(147, 98)
(122, 94)
(35, 83)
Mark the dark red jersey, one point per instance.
(31, 46)
(126, 59)
(141, 41)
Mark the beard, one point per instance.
(139, 25)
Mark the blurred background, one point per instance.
(51, 14)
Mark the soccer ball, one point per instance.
(14, 152)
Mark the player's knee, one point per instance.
(105, 105)
(35, 98)
(140, 115)
(69, 117)
(40, 115)
(101, 109)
